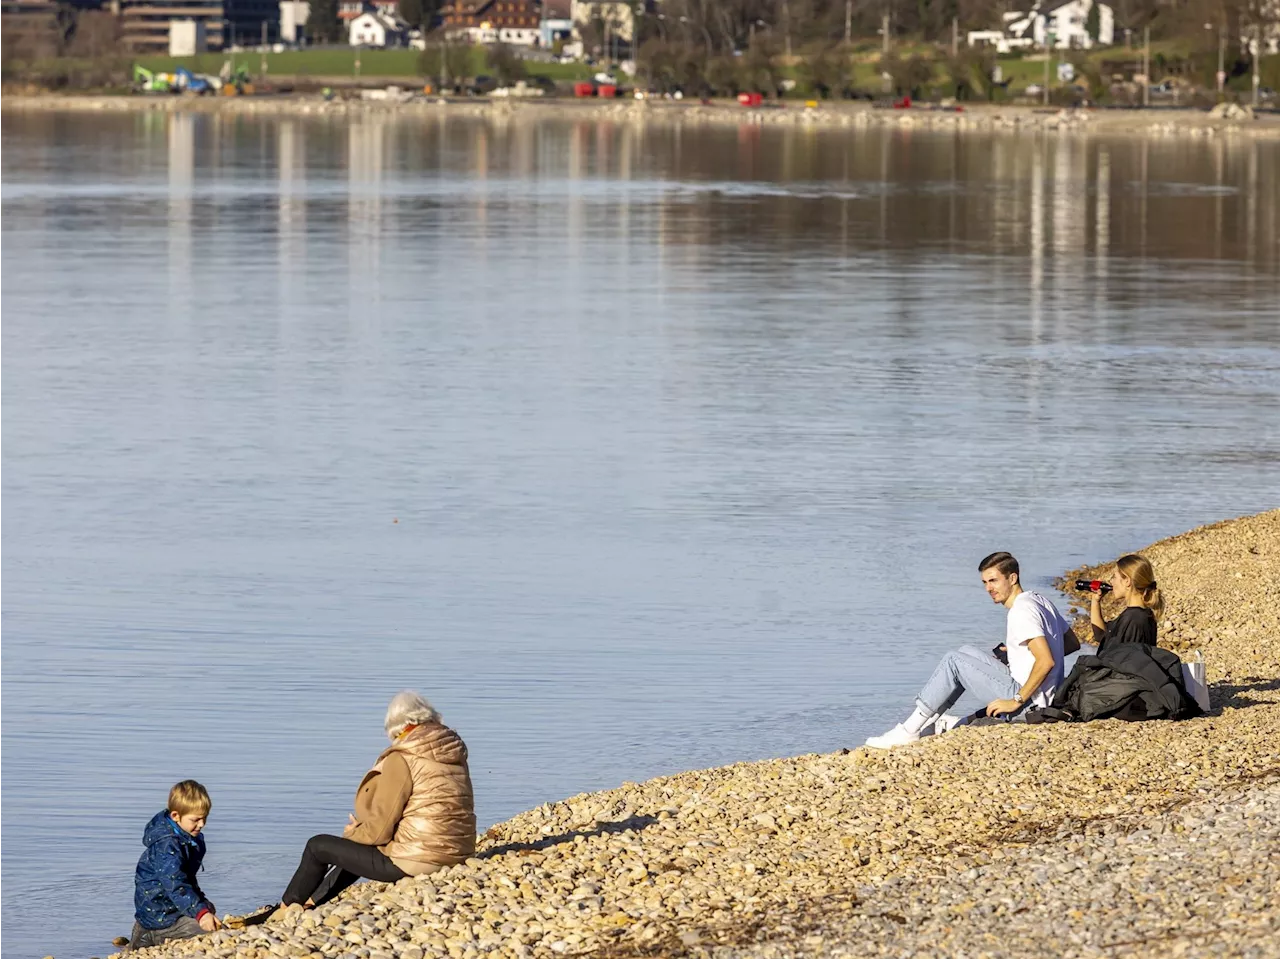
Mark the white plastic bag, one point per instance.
(1193, 679)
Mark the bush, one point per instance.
(662, 65)
(756, 70)
(506, 67)
(67, 73)
(1089, 76)
(909, 75)
(823, 70)
(720, 75)
(457, 58)
(970, 74)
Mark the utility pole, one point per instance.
(1048, 44)
(884, 30)
(444, 62)
(1257, 52)
(848, 21)
(1146, 66)
(1222, 59)
(786, 16)
(955, 36)
(262, 60)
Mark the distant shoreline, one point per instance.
(981, 118)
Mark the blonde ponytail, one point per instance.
(1143, 577)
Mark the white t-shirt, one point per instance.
(1032, 615)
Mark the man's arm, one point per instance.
(1043, 666)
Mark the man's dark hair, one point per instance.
(1004, 562)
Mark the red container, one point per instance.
(584, 89)
(751, 99)
(607, 90)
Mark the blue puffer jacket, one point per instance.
(164, 884)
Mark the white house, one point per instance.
(377, 29)
(187, 38)
(487, 33)
(1064, 22)
(998, 39)
(293, 19)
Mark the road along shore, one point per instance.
(981, 118)
(1104, 839)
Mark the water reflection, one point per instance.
(585, 428)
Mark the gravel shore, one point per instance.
(977, 118)
(1104, 839)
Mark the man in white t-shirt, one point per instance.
(1034, 644)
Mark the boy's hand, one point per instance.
(209, 922)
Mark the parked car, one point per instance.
(543, 82)
(482, 85)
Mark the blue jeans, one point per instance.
(966, 670)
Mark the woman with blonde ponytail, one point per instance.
(1134, 584)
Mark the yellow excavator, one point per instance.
(237, 82)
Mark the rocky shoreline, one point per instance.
(980, 118)
(1104, 839)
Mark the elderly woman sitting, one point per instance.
(415, 812)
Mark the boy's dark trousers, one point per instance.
(184, 928)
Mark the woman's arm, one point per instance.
(1095, 618)
(380, 803)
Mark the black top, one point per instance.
(1136, 624)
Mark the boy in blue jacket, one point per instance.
(167, 901)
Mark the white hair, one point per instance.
(408, 709)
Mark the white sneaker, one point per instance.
(899, 735)
(945, 723)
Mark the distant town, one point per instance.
(1132, 51)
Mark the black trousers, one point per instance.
(330, 864)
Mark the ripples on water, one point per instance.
(636, 450)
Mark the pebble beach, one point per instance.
(1099, 839)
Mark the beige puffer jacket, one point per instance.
(438, 824)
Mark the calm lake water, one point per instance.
(635, 450)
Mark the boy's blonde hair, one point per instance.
(189, 797)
